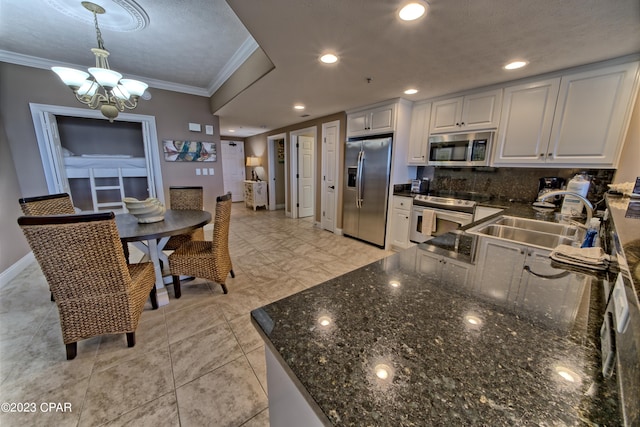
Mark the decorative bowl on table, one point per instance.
(147, 211)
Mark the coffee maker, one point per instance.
(553, 183)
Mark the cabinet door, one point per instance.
(357, 123)
(498, 269)
(382, 119)
(454, 272)
(525, 125)
(400, 223)
(429, 264)
(419, 134)
(481, 110)
(549, 294)
(446, 115)
(592, 115)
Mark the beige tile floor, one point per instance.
(197, 361)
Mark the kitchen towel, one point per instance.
(593, 258)
(428, 222)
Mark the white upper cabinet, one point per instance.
(467, 113)
(371, 122)
(419, 134)
(579, 119)
(525, 125)
(592, 115)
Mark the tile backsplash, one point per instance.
(509, 183)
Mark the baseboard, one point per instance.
(338, 232)
(10, 273)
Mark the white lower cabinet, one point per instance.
(444, 269)
(522, 277)
(401, 221)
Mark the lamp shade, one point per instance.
(135, 87)
(253, 161)
(106, 78)
(70, 76)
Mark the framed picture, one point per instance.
(189, 151)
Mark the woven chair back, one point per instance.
(186, 198)
(53, 204)
(221, 230)
(81, 256)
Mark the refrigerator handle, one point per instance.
(359, 178)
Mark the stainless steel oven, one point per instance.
(448, 214)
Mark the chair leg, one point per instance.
(224, 288)
(72, 350)
(131, 339)
(154, 298)
(232, 274)
(176, 286)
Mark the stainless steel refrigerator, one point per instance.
(366, 189)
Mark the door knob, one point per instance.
(333, 187)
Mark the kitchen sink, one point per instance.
(527, 237)
(530, 232)
(541, 226)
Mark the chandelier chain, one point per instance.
(98, 33)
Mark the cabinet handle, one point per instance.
(550, 155)
(522, 251)
(541, 154)
(457, 124)
(462, 123)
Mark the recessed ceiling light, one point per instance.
(411, 91)
(298, 107)
(412, 11)
(232, 130)
(515, 65)
(329, 58)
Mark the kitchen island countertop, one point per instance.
(451, 356)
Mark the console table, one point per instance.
(255, 194)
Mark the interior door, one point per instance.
(305, 176)
(233, 173)
(329, 174)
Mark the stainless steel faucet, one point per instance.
(584, 201)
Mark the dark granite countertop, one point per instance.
(444, 370)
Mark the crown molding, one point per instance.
(242, 54)
(46, 64)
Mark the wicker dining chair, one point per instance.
(51, 204)
(206, 259)
(96, 291)
(185, 198)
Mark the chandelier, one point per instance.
(102, 87)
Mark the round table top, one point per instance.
(175, 222)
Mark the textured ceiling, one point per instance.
(460, 44)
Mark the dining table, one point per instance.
(151, 238)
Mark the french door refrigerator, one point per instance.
(366, 188)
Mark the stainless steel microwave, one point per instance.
(460, 149)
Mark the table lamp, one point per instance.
(253, 162)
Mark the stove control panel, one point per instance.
(443, 201)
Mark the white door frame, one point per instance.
(271, 176)
(327, 162)
(48, 149)
(293, 166)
